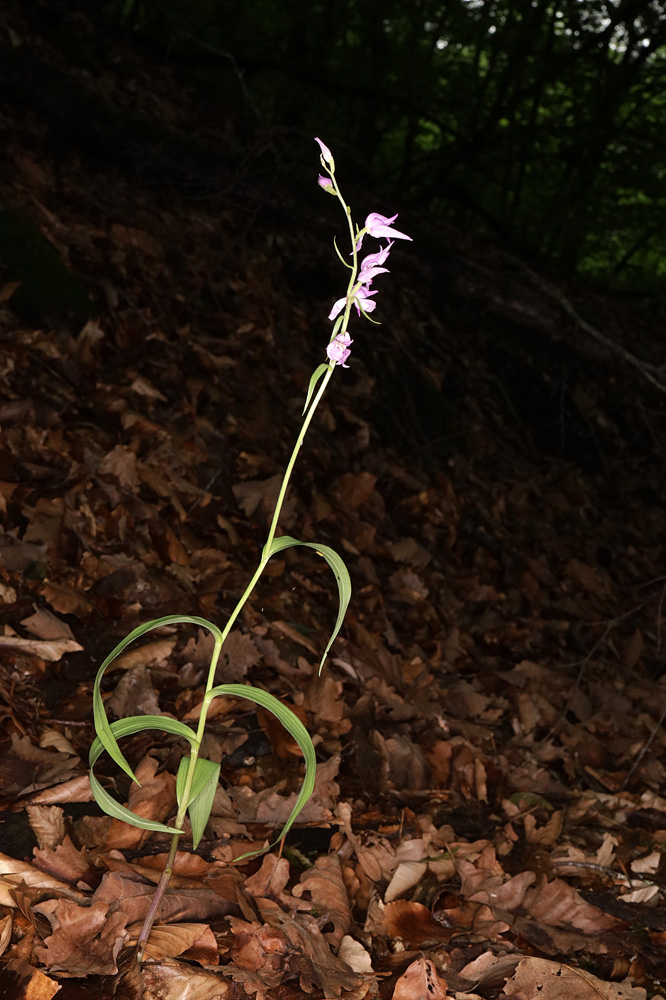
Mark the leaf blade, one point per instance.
(103, 728)
(340, 571)
(295, 728)
(126, 727)
(314, 379)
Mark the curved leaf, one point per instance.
(102, 726)
(340, 572)
(202, 793)
(124, 727)
(316, 375)
(294, 727)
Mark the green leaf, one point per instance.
(294, 727)
(125, 727)
(340, 572)
(104, 730)
(316, 375)
(202, 793)
(345, 262)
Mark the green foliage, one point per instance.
(521, 120)
(197, 778)
(340, 572)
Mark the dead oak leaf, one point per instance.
(27, 768)
(327, 890)
(134, 694)
(558, 904)
(173, 980)
(270, 881)
(172, 940)
(266, 956)
(420, 980)
(133, 898)
(121, 464)
(67, 863)
(154, 800)
(15, 873)
(45, 625)
(552, 981)
(86, 940)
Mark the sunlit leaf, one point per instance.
(202, 793)
(126, 727)
(103, 728)
(340, 572)
(294, 727)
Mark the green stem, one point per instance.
(265, 555)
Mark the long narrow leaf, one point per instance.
(294, 727)
(202, 793)
(314, 379)
(340, 572)
(102, 727)
(125, 727)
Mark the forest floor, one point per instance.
(489, 816)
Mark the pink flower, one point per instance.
(326, 153)
(360, 298)
(337, 308)
(338, 350)
(380, 225)
(365, 277)
(376, 259)
(326, 183)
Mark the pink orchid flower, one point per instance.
(360, 298)
(338, 350)
(380, 225)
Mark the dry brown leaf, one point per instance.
(557, 903)
(133, 898)
(265, 956)
(326, 888)
(6, 924)
(355, 955)
(48, 824)
(553, 981)
(74, 790)
(178, 981)
(405, 878)
(121, 464)
(238, 655)
(45, 625)
(284, 745)
(34, 985)
(51, 650)
(271, 878)
(67, 863)
(171, 940)
(14, 873)
(85, 940)
(146, 655)
(547, 835)
(154, 801)
(413, 923)
(134, 694)
(421, 980)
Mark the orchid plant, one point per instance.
(197, 777)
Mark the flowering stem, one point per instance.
(265, 555)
